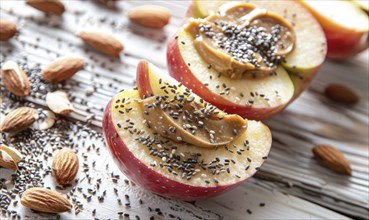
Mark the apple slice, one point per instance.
(177, 169)
(346, 26)
(186, 65)
(250, 98)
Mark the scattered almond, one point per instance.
(150, 16)
(48, 6)
(48, 121)
(332, 158)
(9, 157)
(341, 93)
(7, 29)
(108, 3)
(65, 166)
(45, 200)
(104, 43)
(19, 119)
(62, 69)
(15, 79)
(59, 103)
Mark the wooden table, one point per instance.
(290, 185)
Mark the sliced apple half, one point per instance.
(171, 168)
(346, 26)
(242, 96)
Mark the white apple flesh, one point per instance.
(176, 169)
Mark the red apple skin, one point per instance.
(142, 80)
(179, 70)
(147, 178)
(343, 45)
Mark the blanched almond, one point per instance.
(59, 103)
(48, 121)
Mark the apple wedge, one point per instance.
(176, 169)
(346, 26)
(188, 66)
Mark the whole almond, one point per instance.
(7, 29)
(9, 157)
(62, 69)
(45, 200)
(150, 16)
(48, 6)
(15, 79)
(341, 93)
(65, 166)
(108, 3)
(104, 43)
(332, 158)
(59, 103)
(19, 119)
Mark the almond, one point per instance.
(150, 16)
(59, 103)
(7, 29)
(65, 166)
(332, 158)
(341, 93)
(104, 43)
(15, 79)
(109, 3)
(9, 157)
(48, 6)
(45, 200)
(19, 119)
(48, 121)
(62, 69)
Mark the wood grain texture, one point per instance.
(290, 181)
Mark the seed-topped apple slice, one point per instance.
(178, 167)
(248, 59)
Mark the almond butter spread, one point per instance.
(242, 40)
(185, 120)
